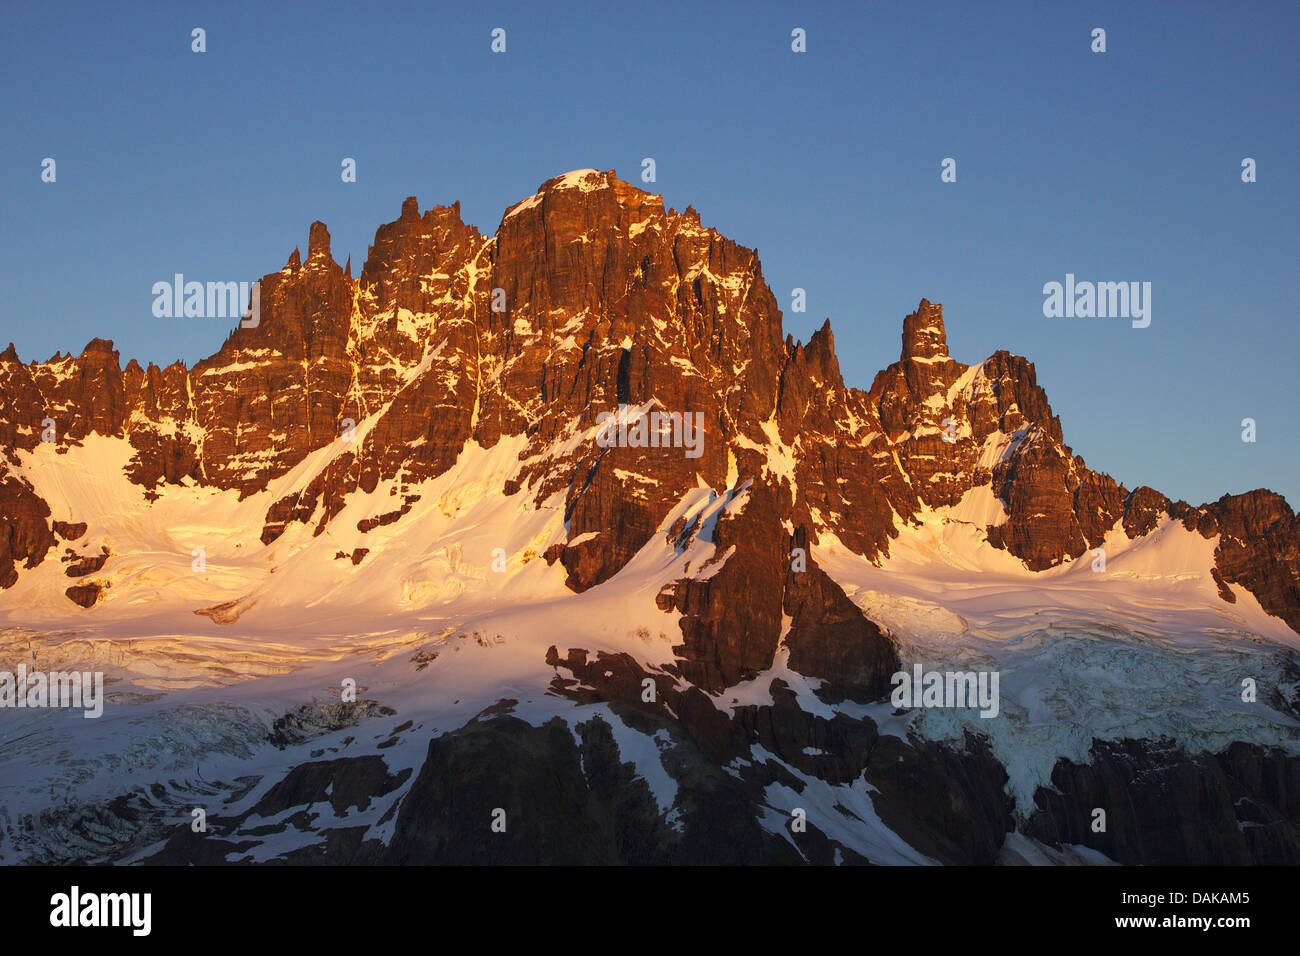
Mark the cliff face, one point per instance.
(591, 297)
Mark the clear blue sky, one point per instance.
(1115, 166)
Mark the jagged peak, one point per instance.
(821, 344)
(820, 353)
(587, 180)
(318, 241)
(924, 336)
(584, 180)
(98, 346)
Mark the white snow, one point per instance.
(1145, 649)
(588, 180)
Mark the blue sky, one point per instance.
(1122, 166)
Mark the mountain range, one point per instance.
(572, 642)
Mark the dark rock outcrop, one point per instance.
(1164, 807)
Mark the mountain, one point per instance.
(601, 549)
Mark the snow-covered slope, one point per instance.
(1144, 648)
(436, 626)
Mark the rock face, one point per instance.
(571, 800)
(591, 297)
(85, 595)
(832, 639)
(1166, 808)
(1259, 548)
(25, 533)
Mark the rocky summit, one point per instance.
(426, 543)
